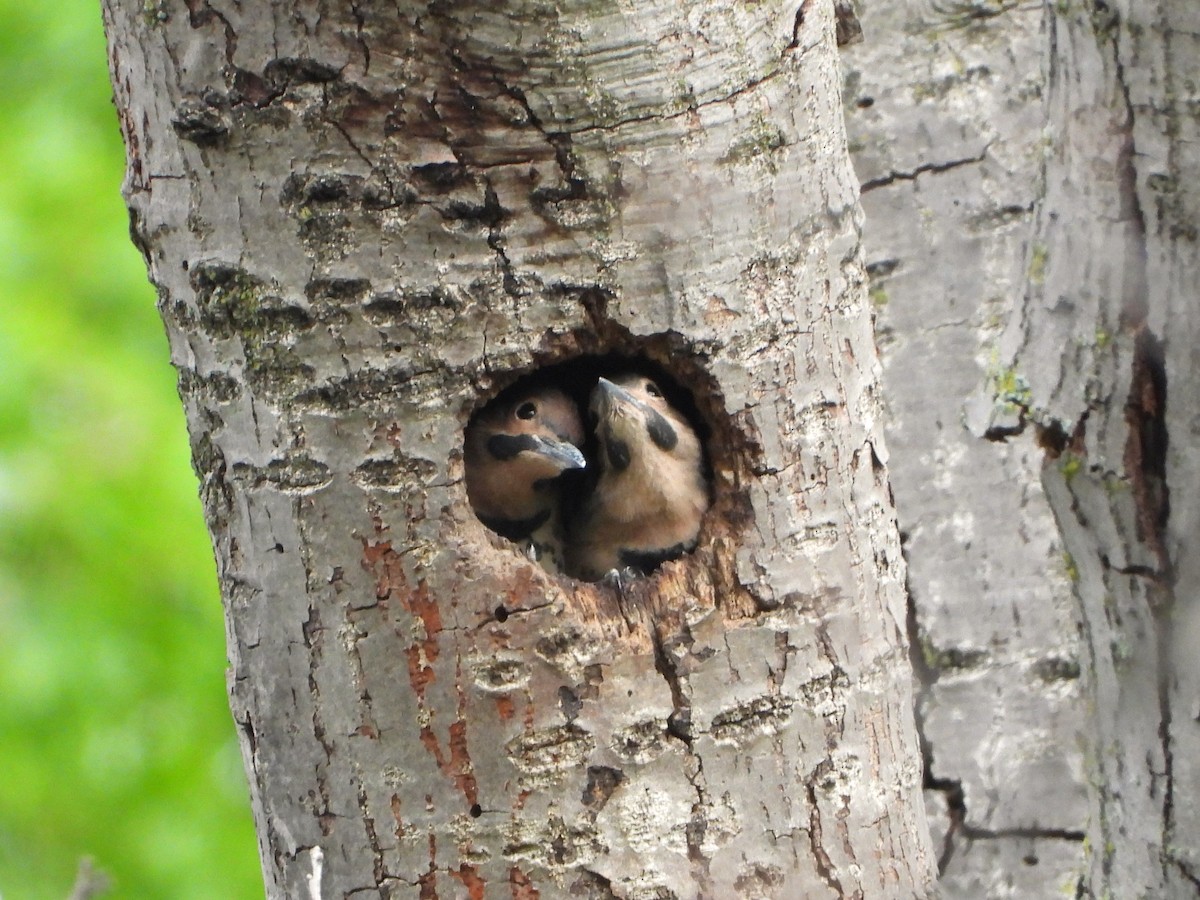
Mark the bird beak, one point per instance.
(608, 396)
(563, 454)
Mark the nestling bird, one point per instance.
(650, 493)
(516, 454)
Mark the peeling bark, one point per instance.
(363, 224)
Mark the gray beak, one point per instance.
(607, 395)
(563, 453)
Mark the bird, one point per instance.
(516, 453)
(650, 491)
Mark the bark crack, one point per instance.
(379, 873)
(825, 866)
(923, 169)
(679, 727)
(360, 25)
(314, 633)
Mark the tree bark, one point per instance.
(946, 112)
(1119, 387)
(1028, 177)
(363, 223)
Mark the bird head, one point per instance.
(633, 416)
(517, 449)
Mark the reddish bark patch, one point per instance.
(399, 830)
(380, 559)
(505, 707)
(430, 742)
(428, 881)
(522, 887)
(522, 587)
(421, 675)
(460, 762)
(422, 605)
(469, 876)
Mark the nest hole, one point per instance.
(686, 388)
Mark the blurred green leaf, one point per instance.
(116, 741)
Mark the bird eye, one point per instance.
(526, 411)
(652, 389)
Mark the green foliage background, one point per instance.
(115, 738)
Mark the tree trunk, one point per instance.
(1115, 381)
(363, 223)
(1029, 192)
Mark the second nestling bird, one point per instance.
(515, 456)
(651, 491)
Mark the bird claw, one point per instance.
(620, 578)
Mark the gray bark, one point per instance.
(1029, 189)
(362, 223)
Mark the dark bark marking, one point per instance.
(443, 176)
(764, 715)
(798, 23)
(550, 750)
(296, 474)
(337, 290)
(306, 195)
(1145, 465)
(397, 472)
(372, 388)
(569, 703)
(1146, 447)
(201, 13)
(848, 28)
(201, 120)
(759, 880)
(602, 782)
(592, 886)
(641, 742)
(286, 71)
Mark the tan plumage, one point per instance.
(515, 455)
(651, 491)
